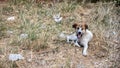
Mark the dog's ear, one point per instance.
(74, 25)
(86, 26)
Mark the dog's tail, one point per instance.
(63, 36)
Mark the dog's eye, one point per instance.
(82, 29)
(78, 28)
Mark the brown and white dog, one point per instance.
(84, 36)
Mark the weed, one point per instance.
(39, 31)
(7, 10)
(2, 30)
(68, 7)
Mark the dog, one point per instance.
(70, 38)
(73, 37)
(84, 36)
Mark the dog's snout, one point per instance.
(79, 32)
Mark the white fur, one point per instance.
(74, 38)
(86, 37)
(71, 37)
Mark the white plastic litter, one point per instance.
(23, 36)
(10, 32)
(11, 18)
(29, 60)
(57, 18)
(114, 33)
(43, 26)
(62, 35)
(15, 57)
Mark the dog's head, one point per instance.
(80, 28)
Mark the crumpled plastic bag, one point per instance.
(15, 57)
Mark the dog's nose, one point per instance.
(79, 32)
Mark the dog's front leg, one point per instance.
(85, 49)
(76, 43)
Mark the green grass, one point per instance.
(36, 20)
(2, 30)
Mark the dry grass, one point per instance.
(43, 46)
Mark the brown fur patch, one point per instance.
(84, 26)
(74, 25)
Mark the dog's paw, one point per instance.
(85, 54)
(76, 44)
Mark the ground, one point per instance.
(43, 48)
